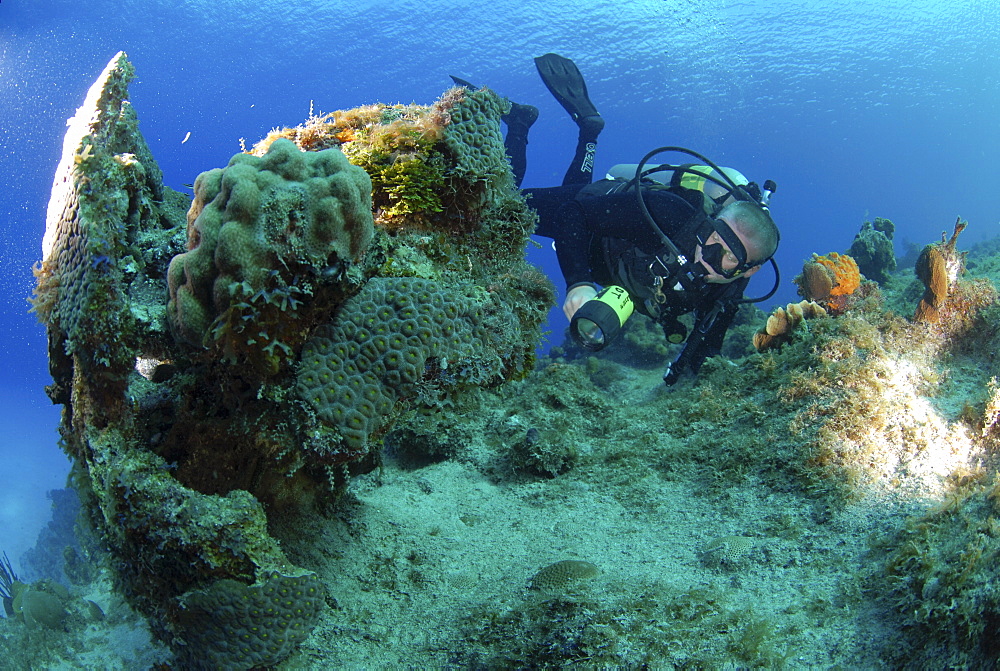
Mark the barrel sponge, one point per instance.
(230, 625)
(394, 337)
(285, 211)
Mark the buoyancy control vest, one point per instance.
(654, 276)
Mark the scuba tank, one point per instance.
(710, 181)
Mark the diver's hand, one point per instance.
(576, 297)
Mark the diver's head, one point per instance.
(736, 243)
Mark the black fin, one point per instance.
(462, 82)
(564, 81)
(522, 115)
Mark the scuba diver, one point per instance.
(664, 240)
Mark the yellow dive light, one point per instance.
(599, 320)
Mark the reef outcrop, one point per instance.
(873, 251)
(939, 268)
(242, 359)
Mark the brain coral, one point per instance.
(266, 224)
(473, 135)
(230, 625)
(396, 334)
(829, 280)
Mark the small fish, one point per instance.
(186, 137)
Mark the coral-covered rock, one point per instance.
(939, 267)
(106, 195)
(872, 250)
(437, 168)
(949, 302)
(190, 423)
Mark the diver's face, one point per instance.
(729, 260)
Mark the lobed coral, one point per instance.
(783, 322)
(262, 232)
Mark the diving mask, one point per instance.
(713, 253)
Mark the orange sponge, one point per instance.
(829, 280)
(846, 276)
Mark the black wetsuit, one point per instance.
(602, 238)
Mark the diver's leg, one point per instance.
(549, 202)
(581, 168)
(561, 218)
(518, 120)
(564, 81)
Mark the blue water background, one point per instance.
(855, 109)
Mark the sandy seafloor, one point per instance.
(453, 547)
(429, 559)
